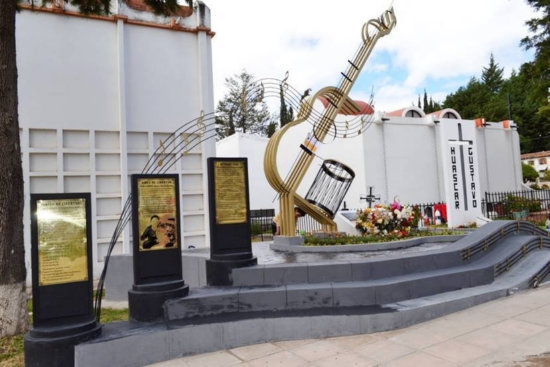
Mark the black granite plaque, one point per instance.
(62, 275)
(156, 245)
(229, 209)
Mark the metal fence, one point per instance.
(532, 205)
(260, 223)
(307, 224)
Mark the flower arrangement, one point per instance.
(382, 220)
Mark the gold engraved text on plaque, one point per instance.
(62, 241)
(230, 187)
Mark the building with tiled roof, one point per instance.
(539, 160)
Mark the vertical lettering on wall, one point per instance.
(460, 171)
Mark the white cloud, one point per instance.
(433, 40)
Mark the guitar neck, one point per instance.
(379, 28)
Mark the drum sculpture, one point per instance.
(323, 126)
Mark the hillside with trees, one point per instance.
(524, 97)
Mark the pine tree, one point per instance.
(492, 76)
(426, 105)
(242, 109)
(286, 114)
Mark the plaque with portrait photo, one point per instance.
(156, 228)
(157, 213)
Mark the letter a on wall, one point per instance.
(460, 171)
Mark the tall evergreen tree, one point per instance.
(242, 109)
(286, 114)
(538, 95)
(426, 104)
(492, 76)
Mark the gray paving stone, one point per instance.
(339, 325)
(388, 293)
(361, 270)
(281, 274)
(244, 332)
(301, 296)
(353, 294)
(210, 301)
(329, 272)
(262, 299)
(196, 339)
(248, 276)
(288, 328)
(386, 268)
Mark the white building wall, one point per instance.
(96, 97)
(66, 71)
(503, 167)
(400, 157)
(402, 160)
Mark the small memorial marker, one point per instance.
(229, 207)
(156, 246)
(61, 258)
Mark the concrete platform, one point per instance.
(510, 331)
(334, 298)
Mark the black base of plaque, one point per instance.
(55, 346)
(145, 301)
(219, 272)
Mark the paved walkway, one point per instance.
(512, 331)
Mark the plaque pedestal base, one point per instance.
(54, 346)
(145, 301)
(218, 272)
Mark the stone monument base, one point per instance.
(219, 272)
(145, 301)
(288, 240)
(54, 346)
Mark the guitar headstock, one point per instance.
(376, 28)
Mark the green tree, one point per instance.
(271, 128)
(286, 114)
(13, 296)
(469, 101)
(537, 127)
(242, 109)
(426, 103)
(492, 76)
(529, 173)
(539, 39)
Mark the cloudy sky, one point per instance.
(438, 45)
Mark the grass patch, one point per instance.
(342, 239)
(11, 351)
(11, 347)
(112, 315)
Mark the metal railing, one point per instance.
(307, 224)
(260, 223)
(532, 205)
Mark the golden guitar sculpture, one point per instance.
(339, 102)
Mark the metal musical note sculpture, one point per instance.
(338, 102)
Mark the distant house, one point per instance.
(538, 160)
